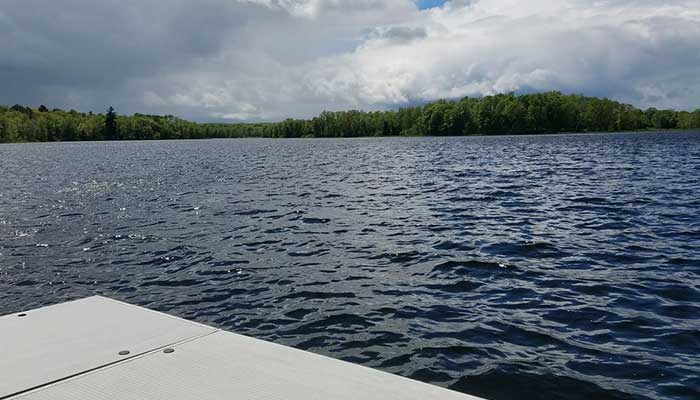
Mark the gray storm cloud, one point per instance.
(271, 59)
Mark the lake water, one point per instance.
(539, 267)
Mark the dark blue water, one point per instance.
(557, 267)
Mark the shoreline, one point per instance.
(479, 135)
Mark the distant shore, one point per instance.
(368, 137)
(505, 114)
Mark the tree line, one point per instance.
(549, 112)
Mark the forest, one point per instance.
(541, 113)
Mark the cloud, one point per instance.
(634, 51)
(398, 34)
(341, 8)
(86, 51)
(271, 59)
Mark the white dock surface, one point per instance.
(71, 352)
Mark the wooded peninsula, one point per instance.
(550, 112)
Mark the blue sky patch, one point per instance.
(424, 4)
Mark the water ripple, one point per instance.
(557, 267)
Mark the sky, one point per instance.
(266, 60)
(426, 4)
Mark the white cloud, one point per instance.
(624, 49)
(270, 59)
(342, 8)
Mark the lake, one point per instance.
(511, 267)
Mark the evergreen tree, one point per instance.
(111, 124)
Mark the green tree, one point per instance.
(111, 130)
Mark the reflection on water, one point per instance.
(509, 267)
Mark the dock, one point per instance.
(102, 349)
